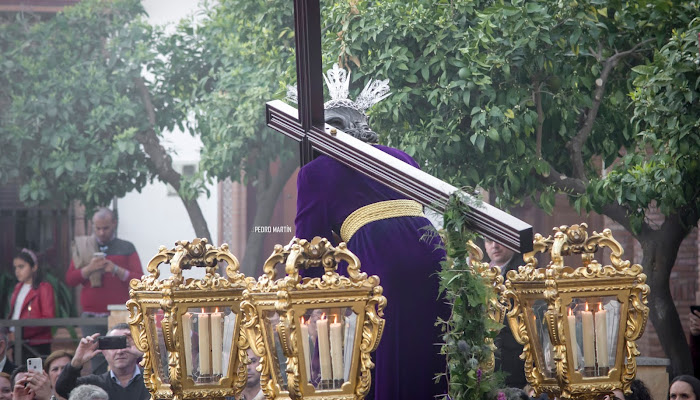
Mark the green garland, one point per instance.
(469, 325)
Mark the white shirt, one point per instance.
(2, 363)
(137, 372)
(20, 300)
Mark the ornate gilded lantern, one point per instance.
(314, 336)
(578, 325)
(189, 328)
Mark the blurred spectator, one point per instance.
(124, 380)
(30, 385)
(88, 392)
(639, 392)
(31, 299)
(6, 365)
(5, 386)
(684, 387)
(252, 389)
(694, 342)
(117, 263)
(54, 365)
(508, 358)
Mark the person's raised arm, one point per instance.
(70, 376)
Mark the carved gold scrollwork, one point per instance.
(138, 334)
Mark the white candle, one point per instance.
(305, 348)
(324, 348)
(588, 338)
(337, 349)
(216, 344)
(187, 338)
(204, 344)
(572, 332)
(601, 337)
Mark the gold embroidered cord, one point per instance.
(377, 211)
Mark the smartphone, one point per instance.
(695, 308)
(99, 254)
(35, 364)
(111, 342)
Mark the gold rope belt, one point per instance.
(377, 211)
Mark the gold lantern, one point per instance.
(314, 336)
(189, 328)
(578, 325)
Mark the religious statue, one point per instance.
(392, 238)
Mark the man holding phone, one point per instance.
(124, 381)
(115, 262)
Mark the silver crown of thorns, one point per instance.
(338, 82)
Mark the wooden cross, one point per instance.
(307, 126)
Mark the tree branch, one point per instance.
(575, 145)
(163, 163)
(540, 116)
(575, 186)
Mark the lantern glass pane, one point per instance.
(327, 338)
(159, 353)
(597, 327)
(278, 360)
(545, 353)
(208, 342)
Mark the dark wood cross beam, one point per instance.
(308, 128)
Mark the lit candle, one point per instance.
(324, 348)
(187, 338)
(216, 344)
(588, 338)
(337, 349)
(204, 344)
(305, 347)
(572, 332)
(601, 336)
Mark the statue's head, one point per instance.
(344, 114)
(351, 121)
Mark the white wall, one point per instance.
(153, 218)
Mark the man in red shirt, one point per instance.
(119, 264)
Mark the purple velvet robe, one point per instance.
(408, 355)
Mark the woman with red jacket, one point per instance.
(31, 299)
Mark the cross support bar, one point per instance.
(413, 183)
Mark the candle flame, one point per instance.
(302, 320)
(571, 312)
(217, 309)
(586, 306)
(202, 310)
(335, 319)
(323, 316)
(600, 306)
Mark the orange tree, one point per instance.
(534, 98)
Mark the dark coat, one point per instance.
(9, 367)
